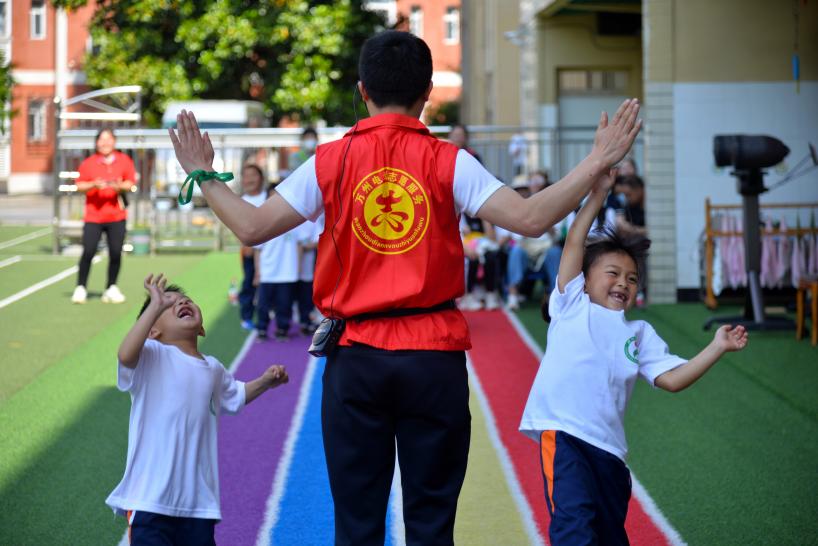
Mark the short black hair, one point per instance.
(309, 131)
(606, 240)
(459, 126)
(632, 181)
(395, 68)
(255, 168)
(105, 130)
(169, 288)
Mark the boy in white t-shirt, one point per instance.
(170, 490)
(593, 356)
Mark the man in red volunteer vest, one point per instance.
(390, 261)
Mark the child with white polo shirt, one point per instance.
(170, 490)
(593, 356)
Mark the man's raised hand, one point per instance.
(193, 150)
(613, 139)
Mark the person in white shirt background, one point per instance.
(170, 488)
(277, 269)
(576, 406)
(252, 185)
(307, 237)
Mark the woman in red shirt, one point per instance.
(102, 177)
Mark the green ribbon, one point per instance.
(197, 177)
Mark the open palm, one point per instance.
(193, 149)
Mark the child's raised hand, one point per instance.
(275, 375)
(193, 150)
(156, 288)
(731, 338)
(605, 182)
(613, 140)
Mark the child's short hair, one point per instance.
(607, 239)
(169, 288)
(395, 68)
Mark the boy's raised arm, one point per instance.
(574, 249)
(252, 225)
(726, 339)
(131, 346)
(533, 216)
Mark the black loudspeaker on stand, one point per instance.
(749, 155)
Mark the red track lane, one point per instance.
(506, 368)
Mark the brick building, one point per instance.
(46, 47)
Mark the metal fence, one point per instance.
(154, 210)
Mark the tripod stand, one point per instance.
(750, 185)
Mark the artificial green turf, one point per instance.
(734, 458)
(25, 273)
(12, 231)
(63, 437)
(48, 327)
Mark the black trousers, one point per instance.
(248, 292)
(374, 400)
(115, 237)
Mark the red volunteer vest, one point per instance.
(396, 233)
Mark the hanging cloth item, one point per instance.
(797, 261)
(735, 260)
(782, 254)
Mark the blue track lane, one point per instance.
(306, 516)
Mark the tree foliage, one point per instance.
(297, 56)
(6, 84)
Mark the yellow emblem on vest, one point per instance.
(390, 211)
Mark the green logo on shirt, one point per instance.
(631, 351)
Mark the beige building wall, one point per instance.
(570, 42)
(491, 63)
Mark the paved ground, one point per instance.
(26, 209)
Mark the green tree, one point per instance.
(297, 56)
(6, 84)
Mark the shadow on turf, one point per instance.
(60, 497)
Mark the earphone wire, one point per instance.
(341, 205)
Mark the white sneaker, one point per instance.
(492, 301)
(113, 295)
(79, 295)
(513, 302)
(470, 303)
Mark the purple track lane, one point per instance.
(251, 443)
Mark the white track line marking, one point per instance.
(641, 494)
(42, 284)
(507, 466)
(24, 238)
(251, 337)
(9, 261)
(283, 471)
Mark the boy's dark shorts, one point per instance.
(587, 491)
(149, 529)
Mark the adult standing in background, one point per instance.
(252, 184)
(103, 176)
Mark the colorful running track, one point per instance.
(274, 486)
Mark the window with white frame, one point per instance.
(4, 15)
(37, 29)
(451, 26)
(416, 21)
(37, 109)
